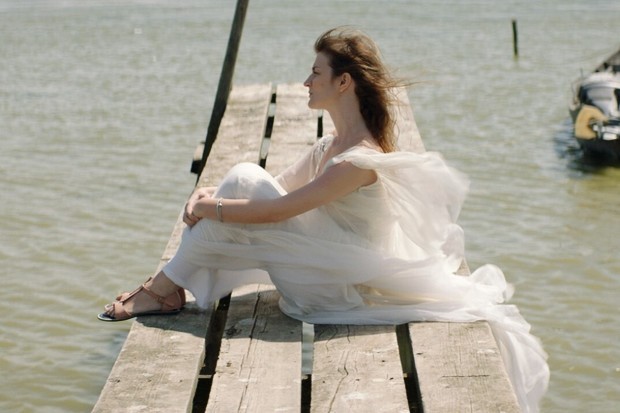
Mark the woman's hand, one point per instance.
(190, 215)
(189, 218)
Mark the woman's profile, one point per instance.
(354, 232)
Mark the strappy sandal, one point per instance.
(171, 304)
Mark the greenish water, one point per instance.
(103, 102)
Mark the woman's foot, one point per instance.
(157, 296)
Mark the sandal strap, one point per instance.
(159, 298)
(174, 301)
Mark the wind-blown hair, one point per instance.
(352, 51)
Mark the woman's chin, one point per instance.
(314, 105)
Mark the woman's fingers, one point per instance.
(190, 219)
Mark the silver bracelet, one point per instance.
(218, 210)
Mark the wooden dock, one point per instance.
(244, 355)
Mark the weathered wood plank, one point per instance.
(259, 367)
(157, 368)
(241, 132)
(459, 368)
(357, 369)
(294, 128)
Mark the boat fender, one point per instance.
(585, 118)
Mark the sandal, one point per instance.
(171, 304)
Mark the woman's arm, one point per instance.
(337, 181)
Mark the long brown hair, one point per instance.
(351, 51)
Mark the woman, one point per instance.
(354, 232)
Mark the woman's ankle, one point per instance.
(161, 285)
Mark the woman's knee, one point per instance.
(248, 180)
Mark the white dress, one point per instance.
(384, 254)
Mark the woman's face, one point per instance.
(322, 86)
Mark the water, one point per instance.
(103, 102)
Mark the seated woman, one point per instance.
(354, 232)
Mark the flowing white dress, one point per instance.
(384, 254)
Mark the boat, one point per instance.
(595, 112)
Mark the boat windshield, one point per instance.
(604, 97)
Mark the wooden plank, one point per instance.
(222, 96)
(241, 132)
(259, 367)
(294, 128)
(157, 368)
(357, 369)
(459, 368)
(248, 384)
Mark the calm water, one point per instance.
(103, 102)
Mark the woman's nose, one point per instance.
(307, 82)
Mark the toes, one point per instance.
(109, 309)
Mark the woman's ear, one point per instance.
(345, 81)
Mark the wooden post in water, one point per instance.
(225, 84)
(515, 38)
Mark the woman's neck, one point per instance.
(350, 127)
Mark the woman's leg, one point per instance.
(244, 180)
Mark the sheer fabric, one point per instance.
(385, 254)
